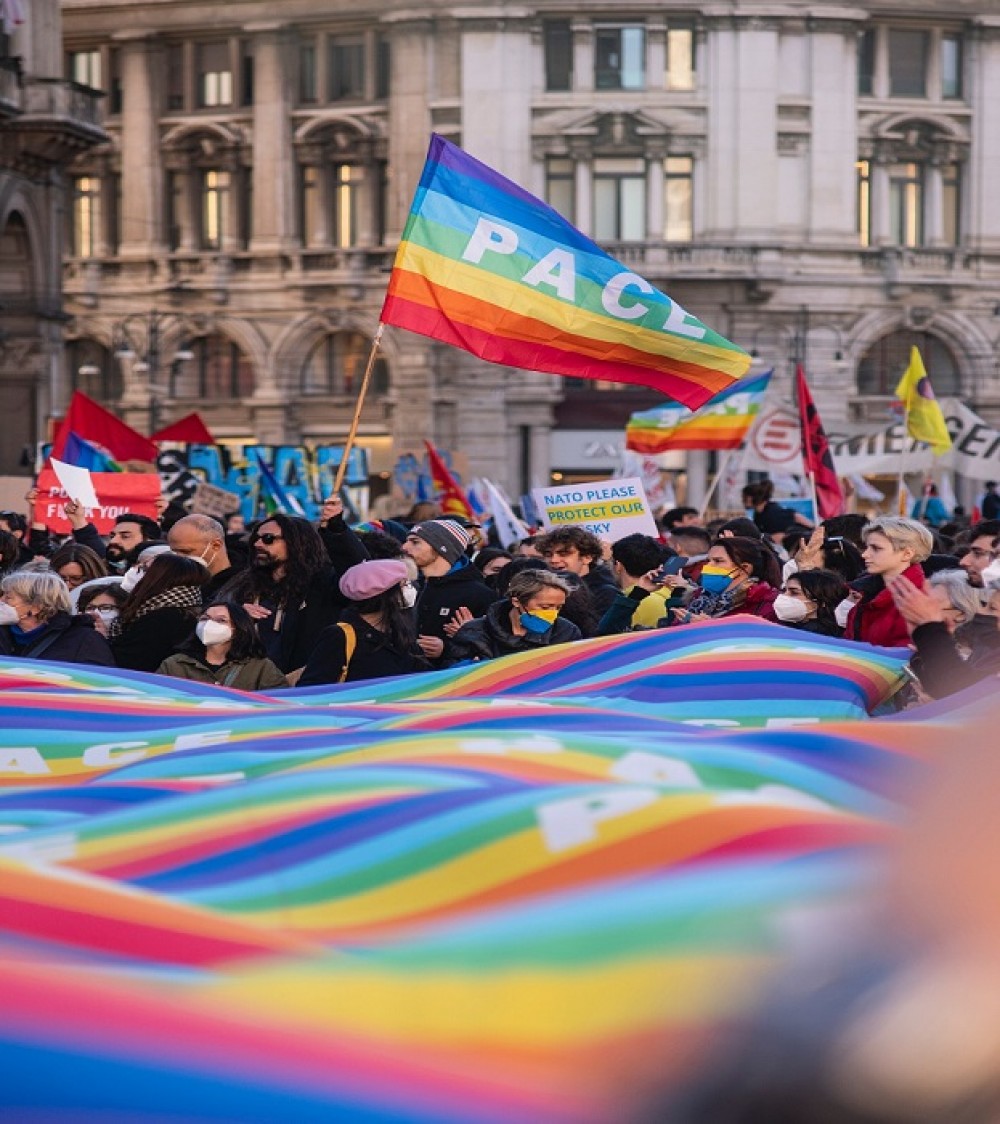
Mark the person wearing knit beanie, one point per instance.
(448, 538)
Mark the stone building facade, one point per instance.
(46, 121)
(813, 179)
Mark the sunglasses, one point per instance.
(268, 538)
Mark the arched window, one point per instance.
(93, 370)
(883, 364)
(218, 370)
(336, 365)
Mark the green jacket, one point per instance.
(255, 674)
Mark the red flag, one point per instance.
(452, 499)
(93, 423)
(190, 429)
(816, 455)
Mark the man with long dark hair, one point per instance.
(290, 587)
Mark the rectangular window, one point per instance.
(951, 66)
(114, 223)
(86, 216)
(560, 186)
(175, 77)
(951, 196)
(678, 203)
(866, 63)
(174, 208)
(907, 63)
(215, 190)
(864, 202)
(620, 58)
(383, 67)
(346, 181)
(115, 82)
(619, 200)
(347, 69)
(381, 201)
(558, 36)
(906, 204)
(215, 75)
(680, 58)
(311, 202)
(246, 73)
(85, 68)
(308, 86)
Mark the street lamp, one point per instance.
(138, 339)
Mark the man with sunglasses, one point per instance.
(291, 585)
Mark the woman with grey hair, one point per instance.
(524, 621)
(36, 622)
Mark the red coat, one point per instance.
(876, 620)
(759, 602)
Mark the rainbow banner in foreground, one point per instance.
(432, 908)
(485, 266)
(721, 424)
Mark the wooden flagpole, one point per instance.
(353, 432)
(714, 484)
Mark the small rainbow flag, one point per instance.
(722, 424)
(485, 266)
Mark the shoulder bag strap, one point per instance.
(350, 643)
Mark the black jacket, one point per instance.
(602, 586)
(491, 636)
(373, 657)
(145, 643)
(440, 597)
(941, 669)
(67, 639)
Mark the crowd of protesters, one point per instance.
(288, 602)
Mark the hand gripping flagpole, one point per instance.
(353, 432)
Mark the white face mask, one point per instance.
(213, 632)
(409, 594)
(8, 614)
(843, 611)
(788, 608)
(992, 572)
(132, 577)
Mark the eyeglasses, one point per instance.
(102, 609)
(268, 538)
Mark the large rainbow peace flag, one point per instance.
(497, 897)
(720, 424)
(485, 266)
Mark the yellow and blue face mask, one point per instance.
(715, 578)
(539, 621)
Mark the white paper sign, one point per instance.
(77, 483)
(610, 509)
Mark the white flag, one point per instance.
(509, 528)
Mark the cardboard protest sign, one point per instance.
(117, 493)
(210, 500)
(610, 509)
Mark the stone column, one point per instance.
(881, 212)
(409, 115)
(934, 203)
(142, 67)
(583, 54)
(231, 222)
(655, 218)
(983, 83)
(273, 156)
(186, 197)
(583, 170)
(656, 54)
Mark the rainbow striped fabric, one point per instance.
(481, 908)
(485, 266)
(721, 424)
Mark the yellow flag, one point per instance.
(924, 419)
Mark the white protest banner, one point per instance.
(610, 509)
(76, 482)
